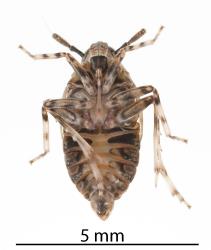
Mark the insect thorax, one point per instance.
(106, 80)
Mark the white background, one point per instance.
(39, 203)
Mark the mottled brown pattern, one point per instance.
(121, 151)
(102, 122)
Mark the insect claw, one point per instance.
(188, 205)
(178, 138)
(37, 157)
(25, 51)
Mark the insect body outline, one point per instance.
(101, 115)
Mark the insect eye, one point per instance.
(99, 62)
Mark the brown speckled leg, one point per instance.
(57, 108)
(127, 113)
(45, 136)
(78, 68)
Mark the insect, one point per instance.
(101, 116)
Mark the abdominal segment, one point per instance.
(119, 153)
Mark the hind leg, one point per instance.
(159, 167)
(128, 113)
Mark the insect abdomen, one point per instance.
(119, 151)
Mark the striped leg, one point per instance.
(70, 104)
(133, 110)
(138, 35)
(159, 167)
(45, 136)
(61, 105)
(162, 118)
(82, 73)
(123, 98)
(58, 109)
(146, 43)
(43, 56)
(120, 53)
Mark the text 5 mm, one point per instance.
(101, 236)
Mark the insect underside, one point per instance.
(101, 118)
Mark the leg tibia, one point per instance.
(45, 136)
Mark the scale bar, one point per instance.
(107, 244)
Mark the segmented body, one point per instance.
(101, 118)
(117, 145)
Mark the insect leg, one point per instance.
(110, 76)
(70, 104)
(45, 136)
(132, 111)
(43, 56)
(132, 39)
(82, 73)
(112, 71)
(162, 118)
(124, 97)
(120, 53)
(61, 40)
(128, 113)
(146, 43)
(58, 109)
(159, 167)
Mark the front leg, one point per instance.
(120, 53)
(78, 68)
(145, 43)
